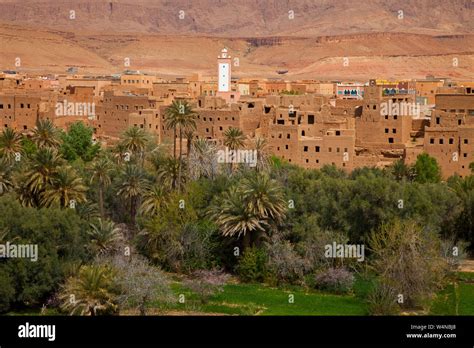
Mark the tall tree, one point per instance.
(42, 169)
(154, 199)
(255, 205)
(101, 172)
(6, 183)
(181, 116)
(234, 139)
(10, 144)
(427, 169)
(46, 134)
(132, 185)
(203, 159)
(66, 186)
(77, 143)
(135, 139)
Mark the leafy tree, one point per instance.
(464, 189)
(77, 143)
(427, 169)
(407, 258)
(60, 238)
(141, 284)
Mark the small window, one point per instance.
(441, 141)
(451, 141)
(394, 130)
(386, 130)
(310, 119)
(390, 140)
(466, 141)
(431, 141)
(305, 149)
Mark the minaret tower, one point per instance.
(224, 72)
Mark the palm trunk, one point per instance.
(101, 202)
(180, 157)
(246, 241)
(132, 210)
(174, 142)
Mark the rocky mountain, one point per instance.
(309, 38)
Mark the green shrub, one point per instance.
(382, 301)
(7, 292)
(337, 280)
(252, 265)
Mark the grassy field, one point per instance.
(257, 299)
(457, 298)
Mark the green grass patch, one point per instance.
(257, 299)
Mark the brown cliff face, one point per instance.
(312, 45)
(245, 17)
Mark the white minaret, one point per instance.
(223, 71)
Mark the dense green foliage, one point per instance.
(186, 213)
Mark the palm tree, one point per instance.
(189, 135)
(234, 218)
(203, 158)
(131, 186)
(46, 134)
(10, 144)
(42, 169)
(154, 199)
(264, 197)
(260, 146)
(6, 183)
(168, 173)
(66, 186)
(234, 139)
(101, 171)
(180, 115)
(88, 211)
(256, 204)
(105, 236)
(135, 139)
(91, 292)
